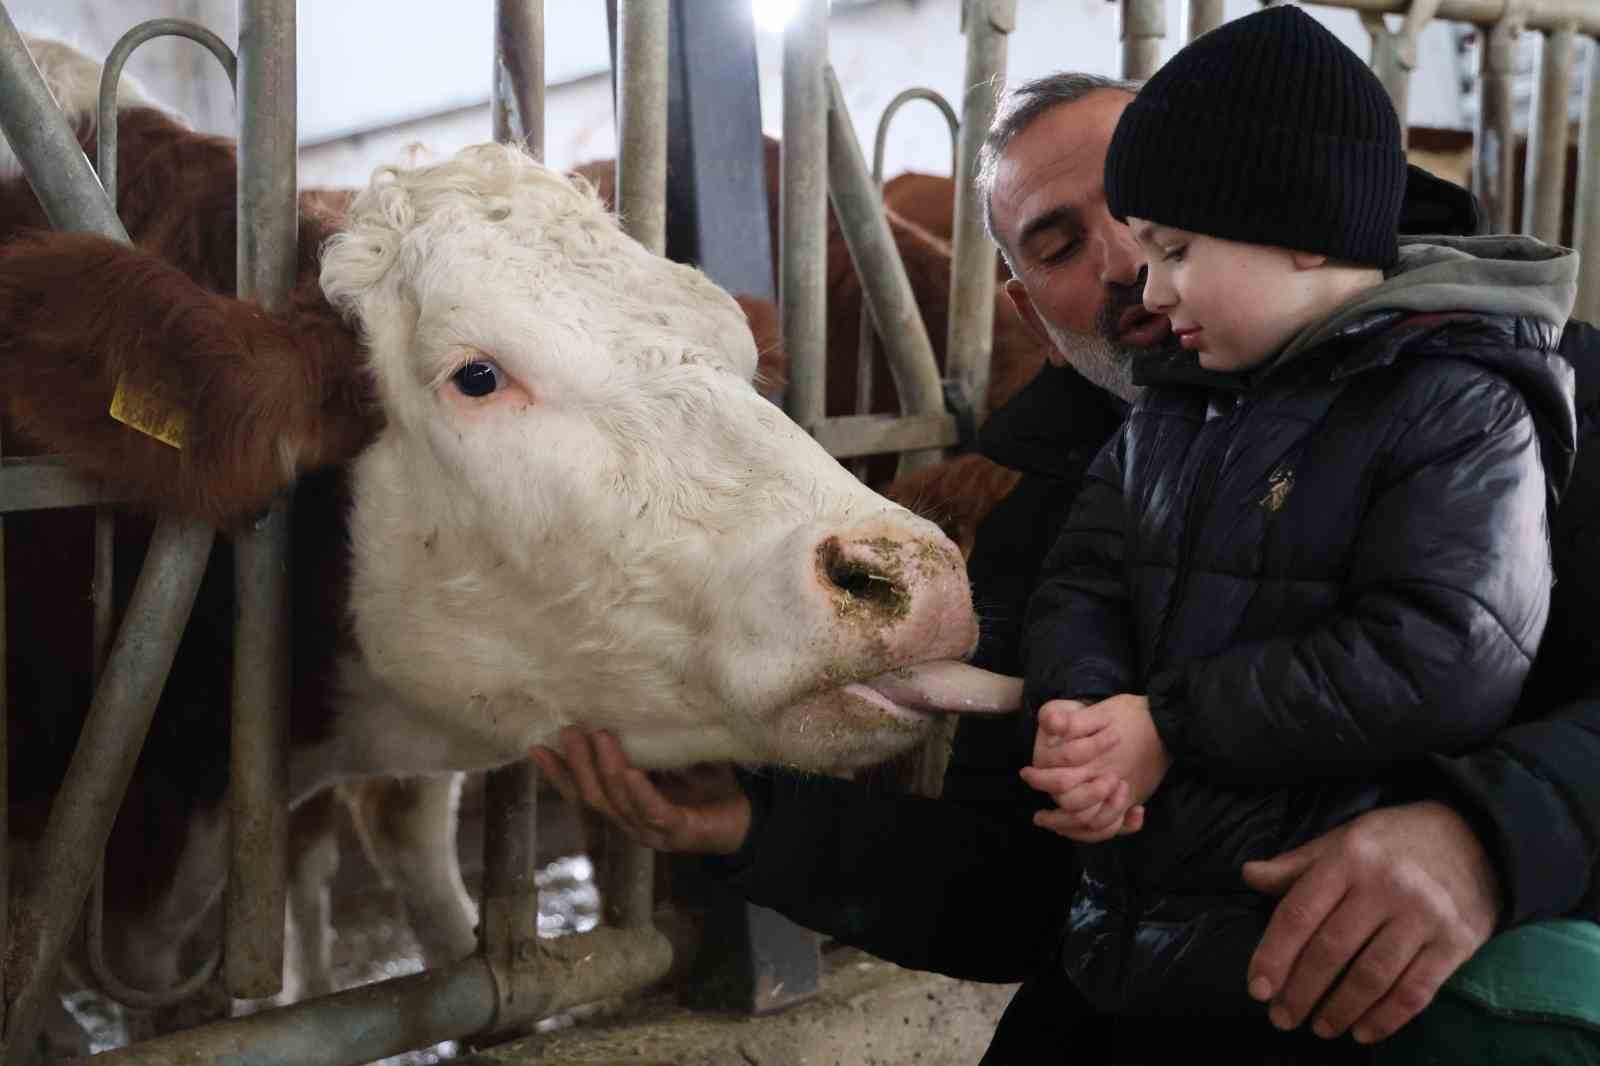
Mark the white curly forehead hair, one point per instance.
(493, 219)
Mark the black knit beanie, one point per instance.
(1267, 130)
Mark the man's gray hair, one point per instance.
(1016, 112)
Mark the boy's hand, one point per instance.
(1099, 762)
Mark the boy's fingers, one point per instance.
(1057, 779)
(1084, 750)
(1133, 821)
(1065, 825)
(1091, 794)
(1067, 720)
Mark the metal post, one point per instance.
(1586, 226)
(970, 333)
(1144, 27)
(1394, 53)
(1546, 179)
(628, 887)
(1494, 141)
(508, 926)
(84, 809)
(884, 284)
(518, 80)
(1205, 16)
(803, 242)
(5, 786)
(642, 36)
(258, 769)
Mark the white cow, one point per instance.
(538, 488)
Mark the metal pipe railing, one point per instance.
(1494, 138)
(1205, 16)
(1144, 28)
(389, 1017)
(268, 237)
(1546, 181)
(884, 285)
(802, 281)
(517, 85)
(81, 817)
(1394, 54)
(868, 351)
(1583, 15)
(628, 874)
(970, 334)
(1586, 224)
(508, 925)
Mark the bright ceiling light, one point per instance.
(772, 16)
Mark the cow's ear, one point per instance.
(246, 400)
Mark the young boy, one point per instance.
(1316, 551)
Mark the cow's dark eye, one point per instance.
(477, 379)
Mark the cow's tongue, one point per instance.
(949, 688)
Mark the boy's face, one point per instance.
(1234, 304)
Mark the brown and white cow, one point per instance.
(536, 487)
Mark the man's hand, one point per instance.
(1406, 892)
(701, 810)
(1099, 763)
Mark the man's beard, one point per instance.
(1100, 356)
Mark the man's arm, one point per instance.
(898, 876)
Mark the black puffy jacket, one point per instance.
(1319, 574)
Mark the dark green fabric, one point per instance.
(1529, 996)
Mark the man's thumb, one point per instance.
(1277, 875)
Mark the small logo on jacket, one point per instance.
(1279, 484)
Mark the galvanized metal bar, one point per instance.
(42, 483)
(802, 283)
(96, 779)
(1586, 227)
(1546, 180)
(1494, 139)
(47, 146)
(1204, 16)
(854, 435)
(868, 350)
(1144, 27)
(642, 36)
(111, 79)
(884, 285)
(518, 85)
(628, 873)
(258, 769)
(970, 334)
(1394, 53)
(389, 1017)
(1584, 15)
(5, 777)
(508, 925)
(119, 717)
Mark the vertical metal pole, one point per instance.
(508, 927)
(1390, 65)
(803, 241)
(268, 228)
(518, 81)
(5, 785)
(1205, 16)
(92, 790)
(642, 72)
(1546, 181)
(1586, 227)
(1144, 27)
(970, 333)
(1494, 139)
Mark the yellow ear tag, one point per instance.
(151, 411)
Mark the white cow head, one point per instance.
(580, 509)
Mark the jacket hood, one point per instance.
(1499, 301)
(1498, 275)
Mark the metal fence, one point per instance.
(1499, 23)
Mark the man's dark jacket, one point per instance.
(1319, 572)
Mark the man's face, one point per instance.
(1078, 270)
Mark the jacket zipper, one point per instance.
(1205, 485)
